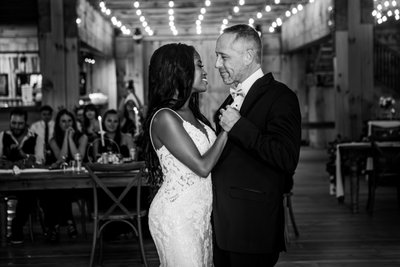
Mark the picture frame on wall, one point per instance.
(3, 84)
(32, 79)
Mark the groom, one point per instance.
(263, 122)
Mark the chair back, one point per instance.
(386, 159)
(384, 130)
(126, 176)
(97, 171)
(94, 147)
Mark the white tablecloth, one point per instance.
(382, 124)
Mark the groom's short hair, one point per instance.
(250, 35)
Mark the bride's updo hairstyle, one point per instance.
(171, 76)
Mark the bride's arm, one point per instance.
(167, 130)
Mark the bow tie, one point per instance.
(238, 91)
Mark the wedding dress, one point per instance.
(180, 213)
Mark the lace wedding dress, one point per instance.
(180, 213)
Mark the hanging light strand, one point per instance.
(385, 10)
(117, 23)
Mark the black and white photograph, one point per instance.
(200, 133)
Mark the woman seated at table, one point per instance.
(114, 140)
(91, 125)
(66, 144)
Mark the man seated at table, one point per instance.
(21, 147)
(44, 128)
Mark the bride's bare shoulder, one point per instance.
(165, 117)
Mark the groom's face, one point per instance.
(230, 58)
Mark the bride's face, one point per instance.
(200, 76)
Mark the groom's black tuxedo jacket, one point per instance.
(248, 181)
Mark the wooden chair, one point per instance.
(385, 160)
(82, 205)
(35, 213)
(384, 130)
(386, 171)
(116, 212)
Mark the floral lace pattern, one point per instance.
(180, 214)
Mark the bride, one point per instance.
(180, 149)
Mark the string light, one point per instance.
(90, 61)
(171, 18)
(142, 19)
(292, 10)
(117, 23)
(384, 9)
(200, 17)
(288, 13)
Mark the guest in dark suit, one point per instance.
(19, 146)
(264, 131)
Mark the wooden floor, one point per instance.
(330, 235)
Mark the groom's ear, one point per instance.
(249, 56)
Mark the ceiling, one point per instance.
(186, 13)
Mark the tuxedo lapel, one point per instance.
(255, 93)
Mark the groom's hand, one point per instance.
(228, 118)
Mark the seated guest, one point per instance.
(65, 144)
(128, 117)
(112, 128)
(22, 147)
(91, 125)
(130, 96)
(79, 111)
(44, 128)
(67, 140)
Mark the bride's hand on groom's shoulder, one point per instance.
(228, 118)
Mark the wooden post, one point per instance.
(51, 51)
(71, 54)
(341, 81)
(138, 65)
(58, 49)
(353, 66)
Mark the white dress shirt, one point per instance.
(244, 87)
(39, 128)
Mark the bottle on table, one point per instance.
(78, 160)
(132, 153)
